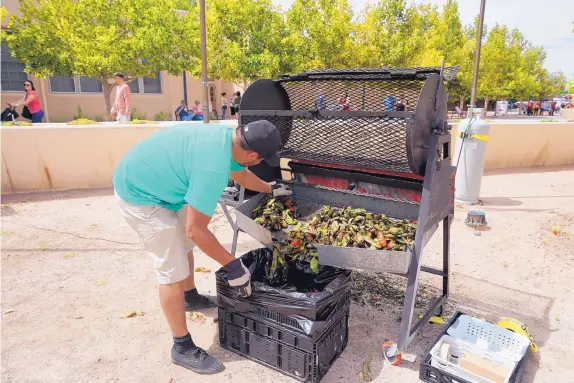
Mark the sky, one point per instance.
(543, 23)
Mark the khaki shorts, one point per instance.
(162, 231)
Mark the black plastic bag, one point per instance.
(332, 286)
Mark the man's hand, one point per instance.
(239, 277)
(279, 190)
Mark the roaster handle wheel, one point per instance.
(391, 353)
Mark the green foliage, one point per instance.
(97, 38)
(140, 122)
(245, 39)
(134, 115)
(78, 114)
(82, 121)
(390, 33)
(98, 118)
(16, 123)
(161, 116)
(320, 35)
(248, 40)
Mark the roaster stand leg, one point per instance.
(428, 207)
(232, 222)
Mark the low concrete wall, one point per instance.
(567, 114)
(518, 144)
(59, 157)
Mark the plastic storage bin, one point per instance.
(433, 371)
(276, 341)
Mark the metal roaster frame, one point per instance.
(423, 129)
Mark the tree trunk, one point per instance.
(107, 97)
(461, 103)
(485, 110)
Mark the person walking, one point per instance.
(224, 105)
(168, 187)
(236, 102)
(122, 105)
(32, 101)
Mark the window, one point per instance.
(13, 75)
(90, 85)
(62, 84)
(152, 85)
(135, 86)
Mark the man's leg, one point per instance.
(157, 227)
(171, 299)
(193, 300)
(189, 282)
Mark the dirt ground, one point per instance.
(71, 268)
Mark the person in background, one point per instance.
(399, 105)
(122, 106)
(537, 109)
(236, 102)
(32, 101)
(345, 102)
(552, 108)
(197, 112)
(224, 105)
(181, 112)
(321, 100)
(530, 108)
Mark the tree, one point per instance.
(96, 38)
(446, 38)
(320, 34)
(245, 40)
(443, 36)
(389, 33)
(551, 84)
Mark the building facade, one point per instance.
(64, 97)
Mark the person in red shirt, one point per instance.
(31, 100)
(344, 102)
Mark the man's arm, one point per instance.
(196, 229)
(128, 99)
(250, 181)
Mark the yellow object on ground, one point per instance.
(518, 327)
(437, 320)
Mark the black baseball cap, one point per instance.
(119, 74)
(264, 139)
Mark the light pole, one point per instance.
(204, 87)
(477, 58)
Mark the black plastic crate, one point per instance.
(277, 341)
(428, 373)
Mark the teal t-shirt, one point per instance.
(185, 163)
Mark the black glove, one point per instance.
(279, 190)
(239, 277)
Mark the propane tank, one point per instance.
(471, 139)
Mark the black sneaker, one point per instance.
(201, 302)
(197, 360)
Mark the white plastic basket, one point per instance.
(464, 346)
(490, 337)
